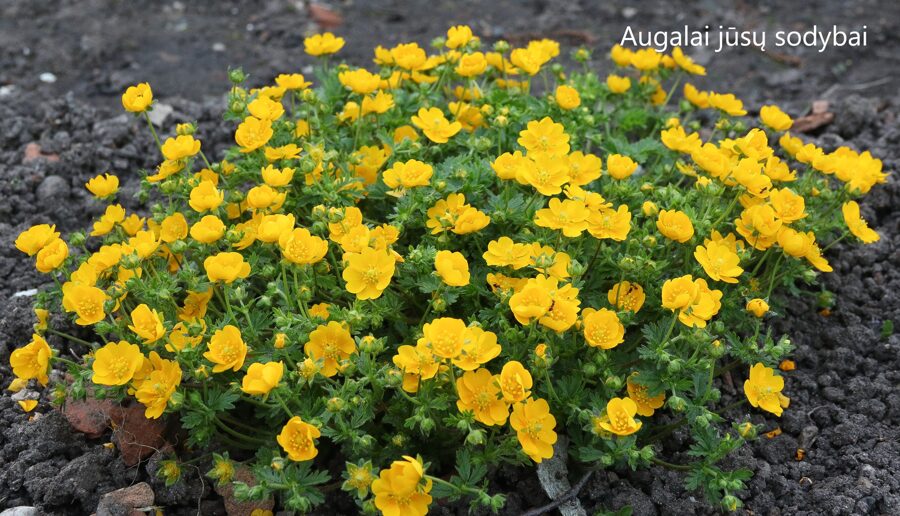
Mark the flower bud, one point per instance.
(236, 76)
(185, 129)
(582, 55)
(277, 463)
(475, 437)
(77, 238)
(747, 430)
(501, 46)
(335, 405)
(178, 246)
(677, 403)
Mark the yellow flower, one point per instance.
(471, 65)
(515, 382)
(686, 63)
(32, 360)
(253, 133)
(205, 196)
(262, 378)
(332, 344)
(43, 319)
(277, 177)
(696, 97)
(359, 81)
(479, 393)
(639, 394)
(618, 84)
(289, 151)
(620, 414)
(292, 81)
(265, 108)
(602, 328)
(410, 174)
(854, 221)
(567, 97)
(158, 387)
(534, 424)
(435, 126)
(116, 363)
(409, 56)
(675, 225)
(297, 438)
(626, 295)
(405, 132)
(546, 173)
(195, 305)
(379, 103)
(399, 491)
(301, 247)
(763, 390)
(417, 363)
(479, 347)
(727, 103)
(36, 238)
(368, 273)
(138, 98)
(264, 196)
(452, 268)
(789, 207)
(174, 227)
(584, 168)
(545, 137)
(458, 36)
(620, 167)
(775, 118)
(533, 301)
(679, 293)
(273, 227)
(704, 306)
(445, 336)
(610, 223)
(28, 405)
(86, 301)
(180, 338)
(759, 226)
(208, 229)
(226, 349)
(52, 255)
(147, 324)
(322, 44)
(645, 59)
(320, 310)
(180, 147)
(568, 216)
(795, 243)
(758, 307)
(504, 252)
(103, 185)
(226, 267)
(719, 261)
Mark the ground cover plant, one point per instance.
(433, 269)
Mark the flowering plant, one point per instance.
(440, 266)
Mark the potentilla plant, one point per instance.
(438, 266)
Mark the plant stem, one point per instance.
(153, 132)
(69, 337)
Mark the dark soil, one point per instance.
(845, 409)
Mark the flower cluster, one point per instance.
(448, 256)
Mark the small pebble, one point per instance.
(48, 77)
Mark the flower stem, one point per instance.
(153, 132)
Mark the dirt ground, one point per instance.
(845, 408)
